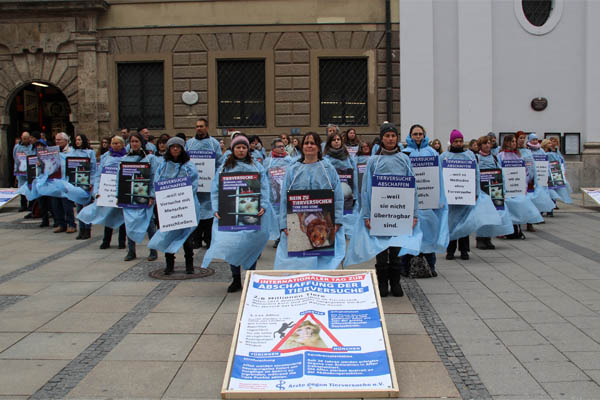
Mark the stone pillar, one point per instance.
(87, 77)
(4, 182)
(591, 165)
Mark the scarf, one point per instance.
(198, 137)
(456, 150)
(483, 154)
(119, 153)
(275, 155)
(139, 152)
(385, 152)
(340, 154)
(533, 146)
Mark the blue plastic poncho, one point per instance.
(318, 175)
(111, 217)
(560, 193)
(506, 225)
(171, 241)
(241, 248)
(351, 193)
(363, 246)
(376, 147)
(463, 219)
(77, 194)
(433, 222)
(361, 165)
(540, 195)
(272, 165)
(42, 185)
(207, 144)
(521, 209)
(149, 147)
(18, 166)
(564, 168)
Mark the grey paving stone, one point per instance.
(567, 337)
(584, 359)
(573, 390)
(521, 338)
(507, 324)
(539, 353)
(504, 375)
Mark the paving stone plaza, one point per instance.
(518, 322)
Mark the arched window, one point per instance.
(537, 11)
(538, 17)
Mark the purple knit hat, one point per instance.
(455, 134)
(240, 139)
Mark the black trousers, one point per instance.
(388, 257)
(188, 249)
(108, 235)
(204, 231)
(463, 245)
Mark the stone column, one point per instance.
(87, 85)
(591, 165)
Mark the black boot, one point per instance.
(236, 285)
(481, 243)
(395, 281)
(489, 245)
(189, 265)
(170, 264)
(382, 279)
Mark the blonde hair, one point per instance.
(119, 138)
(546, 142)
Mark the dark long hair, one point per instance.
(142, 140)
(232, 161)
(182, 159)
(360, 151)
(347, 141)
(506, 143)
(318, 142)
(85, 144)
(330, 140)
(417, 126)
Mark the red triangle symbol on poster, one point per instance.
(306, 335)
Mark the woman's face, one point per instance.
(135, 143)
(116, 144)
(240, 151)
(351, 134)
(512, 144)
(521, 141)
(417, 134)
(104, 143)
(486, 147)
(162, 146)
(390, 140)
(365, 148)
(336, 142)
(437, 145)
(458, 142)
(285, 140)
(222, 143)
(309, 147)
(78, 141)
(474, 146)
(295, 142)
(175, 151)
(534, 141)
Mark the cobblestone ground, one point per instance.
(518, 322)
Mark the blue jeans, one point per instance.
(62, 209)
(431, 259)
(151, 231)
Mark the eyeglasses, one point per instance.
(280, 147)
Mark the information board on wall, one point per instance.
(305, 334)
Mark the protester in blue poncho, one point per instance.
(488, 161)
(276, 166)
(536, 192)
(433, 222)
(466, 219)
(20, 153)
(311, 172)
(258, 151)
(521, 208)
(557, 192)
(386, 249)
(240, 248)
(362, 158)
(149, 147)
(80, 196)
(351, 141)
(345, 165)
(436, 144)
(176, 164)
(493, 143)
(62, 207)
(203, 141)
(110, 217)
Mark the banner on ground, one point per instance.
(20, 167)
(50, 162)
(175, 204)
(107, 188)
(310, 223)
(79, 172)
(557, 177)
(392, 205)
(347, 180)
(310, 335)
(459, 181)
(6, 195)
(239, 201)
(490, 181)
(593, 193)
(427, 177)
(134, 185)
(542, 168)
(204, 160)
(515, 177)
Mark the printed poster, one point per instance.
(276, 175)
(310, 332)
(352, 150)
(490, 181)
(134, 185)
(542, 168)
(107, 188)
(392, 205)
(175, 204)
(79, 172)
(6, 195)
(459, 181)
(204, 160)
(557, 178)
(515, 177)
(427, 177)
(239, 201)
(33, 169)
(50, 162)
(593, 193)
(347, 180)
(310, 223)
(361, 173)
(20, 167)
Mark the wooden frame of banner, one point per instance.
(584, 193)
(308, 394)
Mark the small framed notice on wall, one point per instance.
(572, 143)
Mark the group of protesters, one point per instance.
(309, 163)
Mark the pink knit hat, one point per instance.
(240, 139)
(455, 134)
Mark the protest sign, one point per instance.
(361, 173)
(392, 205)
(20, 167)
(107, 188)
(459, 181)
(490, 181)
(239, 201)
(515, 177)
(276, 175)
(427, 177)
(134, 185)
(542, 168)
(347, 181)
(204, 160)
(6, 195)
(352, 150)
(79, 172)
(175, 204)
(33, 168)
(50, 162)
(307, 334)
(592, 192)
(557, 178)
(310, 223)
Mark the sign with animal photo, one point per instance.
(20, 167)
(557, 178)
(50, 162)
(134, 185)
(175, 204)
(276, 175)
(204, 160)
(427, 178)
(347, 181)
(459, 181)
(310, 335)
(515, 177)
(79, 172)
(542, 169)
(107, 188)
(239, 201)
(490, 181)
(33, 168)
(310, 223)
(392, 205)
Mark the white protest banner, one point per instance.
(515, 177)
(205, 164)
(107, 189)
(6, 195)
(308, 335)
(593, 193)
(392, 205)
(542, 169)
(459, 181)
(427, 177)
(352, 150)
(175, 204)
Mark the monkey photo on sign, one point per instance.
(307, 335)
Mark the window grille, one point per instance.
(343, 91)
(241, 93)
(537, 12)
(141, 95)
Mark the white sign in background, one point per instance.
(515, 177)
(107, 189)
(542, 169)
(459, 182)
(204, 160)
(175, 204)
(392, 205)
(427, 177)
